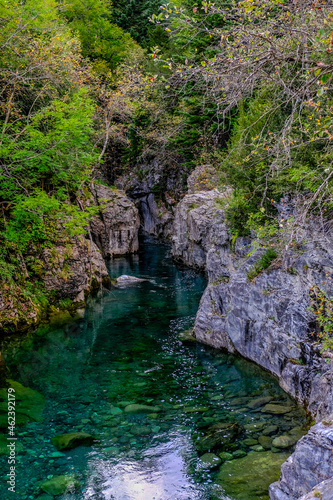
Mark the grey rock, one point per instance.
(323, 490)
(284, 441)
(266, 320)
(128, 280)
(310, 464)
(115, 231)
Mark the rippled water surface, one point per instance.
(126, 350)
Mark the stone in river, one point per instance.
(249, 477)
(239, 454)
(257, 403)
(29, 404)
(209, 461)
(140, 430)
(276, 409)
(224, 455)
(266, 442)
(271, 429)
(254, 426)
(250, 441)
(59, 485)
(136, 408)
(285, 441)
(72, 440)
(124, 279)
(218, 436)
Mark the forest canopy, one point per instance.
(94, 89)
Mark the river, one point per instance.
(171, 419)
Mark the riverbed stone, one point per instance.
(137, 408)
(29, 404)
(59, 485)
(140, 430)
(250, 476)
(72, 440)
(284, 441)
(274, 409)
(271, 429)
(254, 426)
(218, 436)
(258, 402)
(265, 442)
(209, 461)
(239, 454)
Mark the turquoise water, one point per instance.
(124, 350)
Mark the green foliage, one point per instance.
(322, 307)
(133, 17)
(103, 42)
(52, 151)
(43, 220)
(263, 263)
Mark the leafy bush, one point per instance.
(263, 263)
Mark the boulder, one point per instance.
(310, 464)
(136, 408)
(59, 485)
(218, 436)
(128, 280)
(72, 440)
(209, 461)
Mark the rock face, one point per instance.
(267, 319)
(310, 464)
(115, 231)
(155, 189)
(70, 270)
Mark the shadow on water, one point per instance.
(204, 425)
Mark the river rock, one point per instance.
(254, 426)
(72, 440)
(257, 403)
(249, 477)
(29, 404)
(310, 464)
(266, 442)
(323, 490)
(140, 430)
(59, 485)
(284, 441)
(271, 429)
(209, 461)
(276, 409)
(128, 280)
(218, 436)
(137, 408)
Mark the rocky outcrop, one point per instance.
(310, 464)
(266, 318)
(155, 189)
(115, 231)
(62, 276)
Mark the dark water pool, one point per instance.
(206, 434)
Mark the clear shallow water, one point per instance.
(126, 350)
